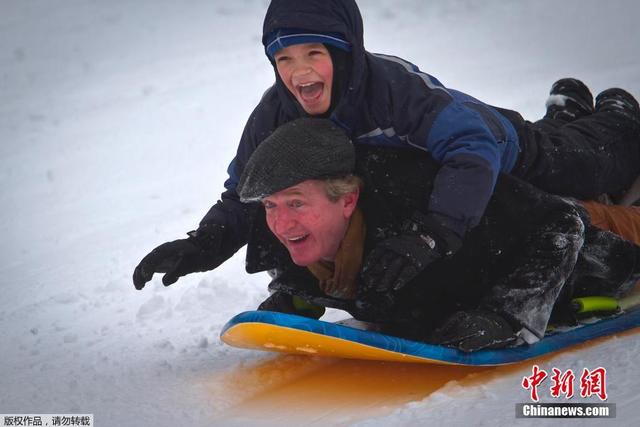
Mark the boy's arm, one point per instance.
(470, 156)
(234, 216)
(471, 141)
(222, 231)
(229, 212)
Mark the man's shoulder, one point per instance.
(402, 176)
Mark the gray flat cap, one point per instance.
(302, 149)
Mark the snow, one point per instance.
(117, 122)
(559, 100)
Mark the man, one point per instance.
(344, 234)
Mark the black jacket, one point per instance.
(527, 248)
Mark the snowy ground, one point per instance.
(117, 122)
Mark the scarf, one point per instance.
(338, 278)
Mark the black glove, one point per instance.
(284, 303)
(200, 252)
(474, 330)
(397, 260)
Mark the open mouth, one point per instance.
(297, 240)
(310, 92)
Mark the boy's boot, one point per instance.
(569, 99)
(619, 101)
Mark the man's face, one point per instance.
(307, 71)
(307, 222)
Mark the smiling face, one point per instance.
(307, 72)
(309, 224)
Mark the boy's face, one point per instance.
(307, 71)
(310, 225)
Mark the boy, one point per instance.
(323, 70)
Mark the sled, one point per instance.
(287, 333)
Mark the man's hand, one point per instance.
(199, 252)
(397, 260)
(392, 264)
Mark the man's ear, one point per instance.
(349, 203)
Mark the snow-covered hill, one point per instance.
(117, 122)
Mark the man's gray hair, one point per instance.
(338, 187)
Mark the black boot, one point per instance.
(474, 330)
(569, 99)
(619, 101)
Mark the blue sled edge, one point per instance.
(549, 344)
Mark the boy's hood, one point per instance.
(321, 16)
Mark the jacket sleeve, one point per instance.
(471, 141)
(235, 216)
(466, 139)
(470, 162)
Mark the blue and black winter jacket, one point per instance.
(387, 102)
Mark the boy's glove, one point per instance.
(199, 252)
(397, 260)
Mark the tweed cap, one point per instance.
(306, 148)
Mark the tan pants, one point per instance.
(621, 220)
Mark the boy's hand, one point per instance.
(199, 252)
